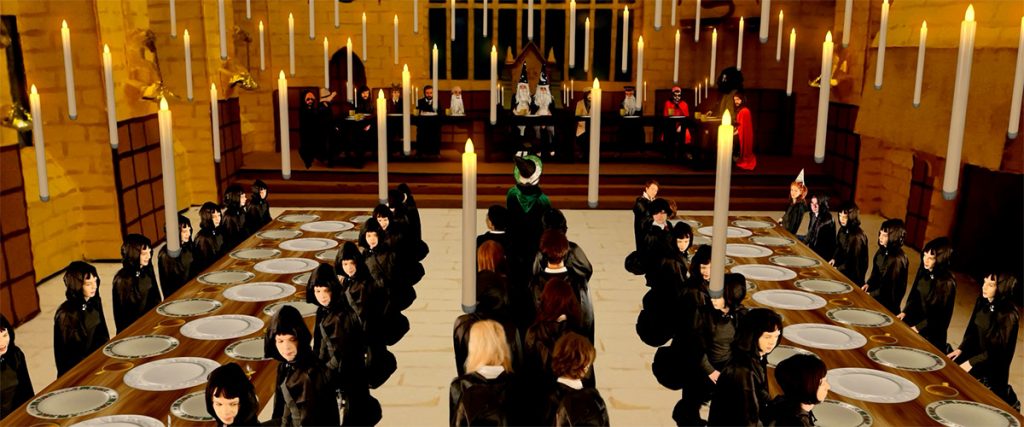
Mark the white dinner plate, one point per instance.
(856, 316)
(286, 265)
(121, 421)
(140, 346)
(175, 373)
(348, 236)
(71, 402)
(765, 272)
(699, 240)
(259, 291)
(223, 327)
(753, 224)
(787, 299)
(732, 232)
(305, 309)
(794, 261)
(188, 307)
(327, 226)
(833, 413)
(962, 413)
(249, 349)
(298, 218)
(694, 224)
(825, 337)
(872, 385)
(279, 234)
(772, 241)
(255, 254)
(823, 286)
(327, 256)
(301, 279)
(906, 358)
(743, 250)
(226, 277)
(307, 244)
(783, 352)
(358, 219)
(191, 407)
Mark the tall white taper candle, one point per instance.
(824, 91)
(188, 65)
(739, 45)
(263, 53)
(640, 95)
(434, 71)
(675, 58)
(572, 34)
(215, 122)
(223, 31)
(847, 22)
(766, 12)
(469, 228)
(720, 226)
(406, 112)
(696, 25)
(312, 20)
(529, 20)
(365, 52)
(494, 82)
(778, 44)
(595, 144)
(349, 84)
(169, 179)
(1018, 87)
(714, 52)
(284, 131)
(69, 70)
(108, 88)
(396, 39)
(657, 14)
(586, 45)
(958, 113)
(883, 31)
(625, 38)
(919, 76)
(291, 45)
(327, 63)
(40, 144)
(792, 57)
(174, 19)
(382, 148)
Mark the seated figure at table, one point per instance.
(541, 106)
(175, 272)
(523, 100)
(744, 134)
(257, 212)
(851, 255)
(456, 106)
(210, 238)
(233, 217)
(311, 140)
(677, 135)
(888, 280)
(79, 326)
(428, 130)
(631, 131)
(231, 398)
(362, 136)
(933, 294)
(797, 207)
(304, 393)
(801, 378)
(16, 387)
(394, 106)
(582, 119)
(135, 289)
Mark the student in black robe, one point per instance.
(933, 295)
(210, 238)
(231, 397)
(851, 254)
(741, 392)
(658, 241)
(79, 326)
(673, 298)
(706, 356)
(497, 223)
(484, 395)
(526, 204)
(135, 289)
(559, 313)
(304, 393)
(990, 339)
(233, 217)
(677, 262)
(576, 259)
(802, 378)
(641, 210)
(888, 281)
(257, 212)
(797, 206)
(492, 304)
(340, 343)
(555, 247)
(382, 265)
(570, 403)
(175, 272)
(821, 231)
(15, 383)
(407, 216)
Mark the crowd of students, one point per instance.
(718, 350)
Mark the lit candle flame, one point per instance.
(469, 146)
(163, 101)
(969, 16)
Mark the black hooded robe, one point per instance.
(741, 394)
(79, 329)
(851, 254)
(176, 272)
(989, 343)
(888, 281)
(135, 293)
(821, 234)
(209, 248)
(793, 216)
(15, 382)
(930, 306)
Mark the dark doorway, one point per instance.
(919, 204)
(989, 233)
(338, 69)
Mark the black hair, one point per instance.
(757, 322)
(229, 381)
(132, 249)
(5, 325)
(233, 196)
(74, 278)
(382, 211)
(896, 230)
(257, 186)
(324, 276)
(799, 377)
(427, 87)
(701, 257)
(287, 321)
(683, 230)
(350, 252)
(852, 214)
(206, 215)
(734, 290)
(660, 205)
(942, 248)
(370, 226)
(554, 219)
(498, 216)
(822, 205)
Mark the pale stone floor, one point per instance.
(418, 393)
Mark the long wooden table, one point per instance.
(910, 413)
(100, 370)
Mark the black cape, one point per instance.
(888, 281)
(79, 329)
(135, 292)
(176, 272)
(15, 383)
(851, 254)
(930, 306)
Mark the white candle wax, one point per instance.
(625, 38)
(485, 19)
(696, 90)
(572, 33)
(673, 13)
(396, 39)
(188, 65)
(714, 51)
(452, 21)
(108, 86)
(215, 122)
(69, 70)
(469, 228)
(327, 63)
(739, 44)
(640, 96)
(919, 76)
(766, 10)
(337, 16)
(706, 86)
(586, 45)
(382, 148)
(223, 30)
(416, 16)
(675, 59)
(349, 84)
(174, 19)
(696, 25)
(39, 144)
(883, 31)
(847, 22)
(282, 112)
(312, 20)
(291, 45)
(657, 14)
(434, 72)
(529, 20)
(719, 230)
(406, 112)
(263, 53)
(595, 144)
(823, 97)
(958, 113)
(792, 57)
(1018, 87)
(778, 44)
(248, 9)
(365, 52)
(169, 179)
(494, 82)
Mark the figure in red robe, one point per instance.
(745, 133)
(673, 134)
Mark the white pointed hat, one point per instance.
(800, 177)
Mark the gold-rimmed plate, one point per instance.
(72, 402)
(189, 307)
(140, 346)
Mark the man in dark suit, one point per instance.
(428, 129)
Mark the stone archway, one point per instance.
(338, 69)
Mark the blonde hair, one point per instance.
(488, 346)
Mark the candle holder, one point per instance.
(942, 389)
(842, 302)
(115, 367)
(885, 338)
(169, 323)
